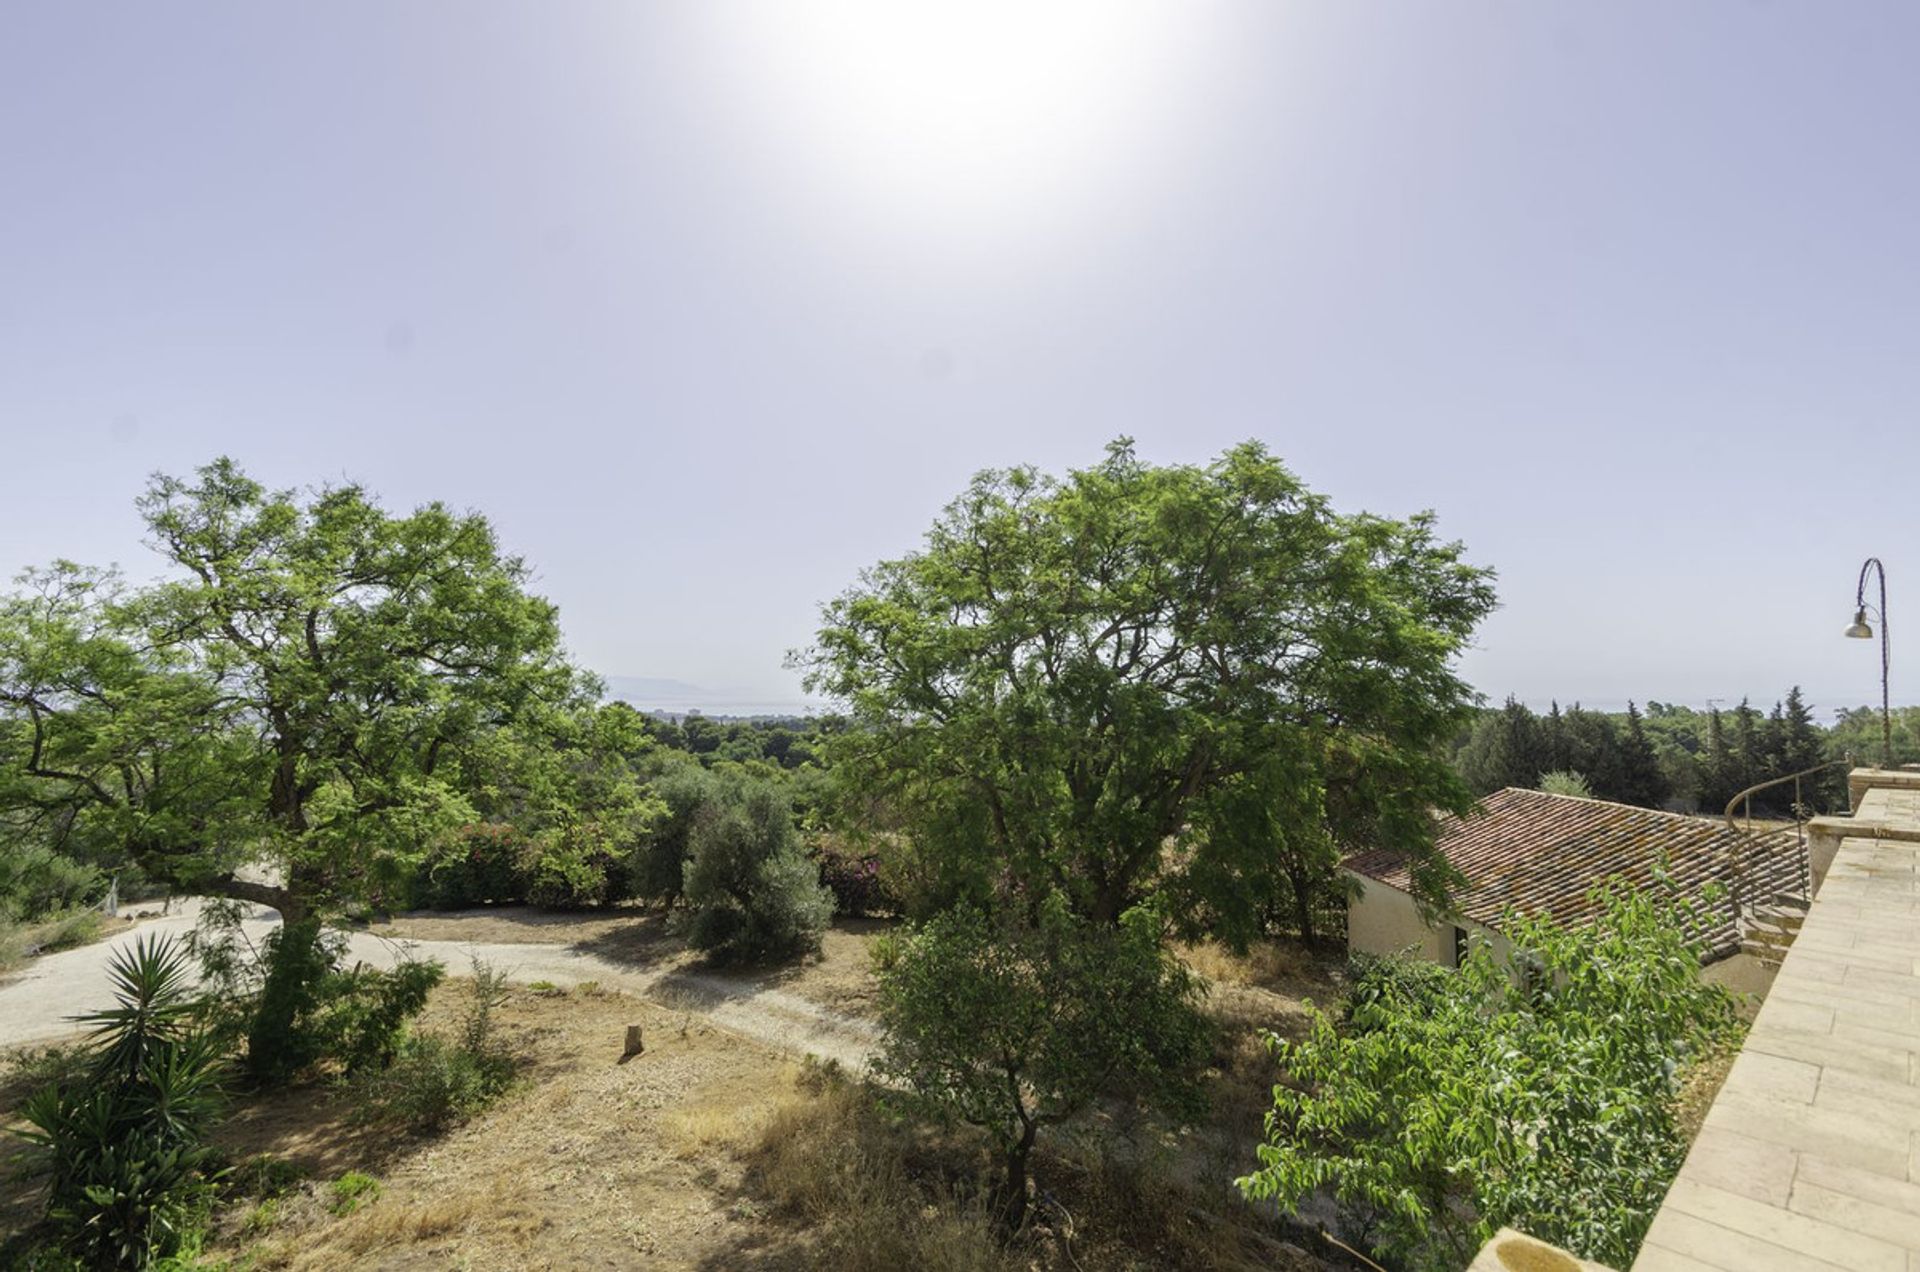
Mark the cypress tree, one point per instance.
(1642, 780)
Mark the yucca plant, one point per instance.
(124, 1144)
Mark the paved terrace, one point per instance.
(1810, 1155)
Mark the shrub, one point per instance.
(1566, 782)
(833, 1160)
(35, 880)
(65, 931)
(1447, 1104)
(13, 943)
(1012, 1026)
(659, 868)
(435, 1082)
(352, 1191)
(578, 867)
(853, 876)
(361, 1019)
(125, 1144)
(290, 998)
(480, 863)
(754, 893)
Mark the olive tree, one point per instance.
(1014, 1026)
(1136, 678)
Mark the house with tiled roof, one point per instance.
(1536, 853)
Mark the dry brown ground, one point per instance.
(678, 1159)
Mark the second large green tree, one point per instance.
(1192, 680)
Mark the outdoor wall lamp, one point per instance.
(1861, 630)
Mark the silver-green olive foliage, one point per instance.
(1196, 680)
(1013, 1025)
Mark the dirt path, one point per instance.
(39, 1002)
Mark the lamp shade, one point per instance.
(1860, 630)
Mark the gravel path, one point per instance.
(38, 1001)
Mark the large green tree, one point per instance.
(282, 716)
(1137, 676)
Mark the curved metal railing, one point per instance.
(1800, 817)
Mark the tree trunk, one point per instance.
(1303, 912)
(295, 962)
(1013, 1211)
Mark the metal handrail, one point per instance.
(1799, 817)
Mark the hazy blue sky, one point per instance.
(710, 305)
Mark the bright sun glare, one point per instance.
(970, 114)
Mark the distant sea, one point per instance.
(678, 698)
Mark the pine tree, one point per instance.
(1802, 747)
(1719, 775)
(1749, 747)
(1642, 780)
(1555, 754)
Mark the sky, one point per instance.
(708, 305)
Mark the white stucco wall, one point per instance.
(1384, 920)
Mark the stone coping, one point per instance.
(1810, 1155)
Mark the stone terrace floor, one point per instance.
(1810, 1155)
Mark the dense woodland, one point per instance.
(1678, 757)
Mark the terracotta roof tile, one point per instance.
(1539, 853)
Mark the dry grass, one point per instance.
(1266, 964)
(1698, 1087)
(834, 1168)
(872, 1191)
(710, 1151)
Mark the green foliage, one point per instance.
(1673, 755)
(1071, 668)
(124, 1144)
(1565, 782)
(37, 880)
(435, 1082)
(579, 866)
(360, 1020)
(660, 868)
(264, 1176)
(1013, 1026)
(476, 864)
(754, 892)
(352, 1191)
(329, 1014)
(316, 682)
(1538, 1094)
(854, 876)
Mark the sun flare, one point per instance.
(967, 112)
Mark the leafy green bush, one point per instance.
(1566, 782)
(352, 1191)
(125, 1144)
(480, 863)
(35, 880)
(580, 866)
(853, 875)
(362, 1014)
(290, 999)
(1537, 1093)
(754, 893)
(435, 1082)
(1013, 1026)
(659, 868)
